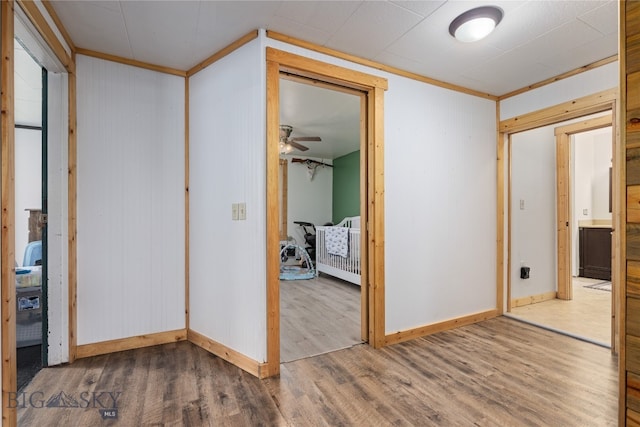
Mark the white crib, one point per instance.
(334, 265)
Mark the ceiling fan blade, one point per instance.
(306, 138)
(297, 146)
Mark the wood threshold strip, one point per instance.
(559, 77)
(373, 64)
(232, 356)
(223, 52)
(439, 327)
(42, 26)
(132, 62)
(122, 344)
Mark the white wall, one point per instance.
(583, 84)
(533, 229)
(28, 88)
(130, 199)
(28, 183)
(308, 200)
(581, 175)
(440, 200)
(592, 153)
(28, 142)
(227, 276)
(602, 159)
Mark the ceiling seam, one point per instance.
(126, 29)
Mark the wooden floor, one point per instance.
(587, 315)
(317, 316)
(500, 372)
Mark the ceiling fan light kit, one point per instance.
(288, 145)
(476, 24)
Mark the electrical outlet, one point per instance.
(585, 212)
(242, 211)
(234, 211)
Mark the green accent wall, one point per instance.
(346, 186)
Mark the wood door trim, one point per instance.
(563, 196)
(500, 199)
(7, 231)
(501, 224)
(42, 26)
(579, 107)
(563, 216)
(372, 193)
(364, 240)
(272, 366)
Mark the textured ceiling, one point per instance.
(313, 111)
(536, 40)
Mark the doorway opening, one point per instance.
(30, 214)
(371, 198)
(575, 160)
(56, 111)
(320, 158)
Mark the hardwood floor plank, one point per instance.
(498, 372)
(587, 315)
(317, 316)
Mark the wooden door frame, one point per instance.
(8, 8)
(563, 196)
(372, 192)
(7, 233)
(581, 107)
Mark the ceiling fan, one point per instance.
(289, 144)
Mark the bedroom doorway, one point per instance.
(371, 198)
(319, 186)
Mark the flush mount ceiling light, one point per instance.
(475, 24)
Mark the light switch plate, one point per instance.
(242, 211)
(234, 211)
